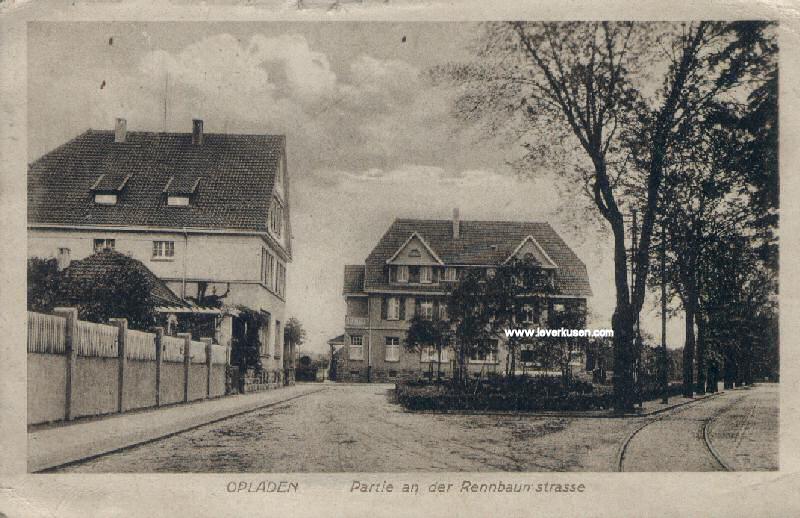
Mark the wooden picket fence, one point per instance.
(46, 333)
(140, 345)
(99, 340)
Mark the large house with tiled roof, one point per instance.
(412, 269)
(207, 213)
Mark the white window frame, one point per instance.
(276, 218)
(163, 251)
(393, 308)
(178, 201)
(527, 314)
(428, 354)
(424, 306)
(105, 244)
(425, 279)
(105, 199)
(450, 274)
(393, 348)
(402, 273)
(359, 347)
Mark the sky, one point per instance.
(369, 138)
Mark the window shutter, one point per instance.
(402, 308)
(417, 306)
(436, 309)
(392, 274)
(411, 311)
(383, 307)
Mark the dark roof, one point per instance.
(338, 340)
(231, 177)
(105, 262)
(353, 278)
(479, 243)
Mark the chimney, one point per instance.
(456, 224)
(120, 130)
(197, 132)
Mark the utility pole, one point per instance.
(664, 357)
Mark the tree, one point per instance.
(467, 310)
(44, 281)
(246, 343)
(424, 333)
(516, 289)
(293, 332)
(581, 86)
(120, 290)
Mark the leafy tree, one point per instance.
(469, 317)
(246, 343)
(293, 332)
(424, 333)
(44, 281)
(582, 86)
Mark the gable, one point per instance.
(529, 248)
(415, 251)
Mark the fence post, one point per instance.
(159, 331)
(70, 354)
(122, 333)
(187, 358)
(209, 363)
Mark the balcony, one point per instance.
(355, 321)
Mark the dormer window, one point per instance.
(414, 252)
(180, 190)
(105, 199)
(450, 274)
(107, 188)
(178, 201)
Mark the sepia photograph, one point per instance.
(402, 247)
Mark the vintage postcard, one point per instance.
(382, 259)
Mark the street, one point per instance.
(357, 428)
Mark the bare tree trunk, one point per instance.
(688, 349)
(701, 352)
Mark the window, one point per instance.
(392, 374)
(264, 336)
(280, 280)
(177, 201)
(267, 268)
(278, 336)
(490, 273)
(443, 310)
(558, 308)
(402, 273)
(414, 252)
(356, 347)
(426, 274)
(63, 258)
(450, 274)
(393, 309)
(527, 314)
(164, 250)
(392, 349)
(426, 310)
(488, 355)
(276, 218)
(430, 354)
(104, 244)
(105, 199)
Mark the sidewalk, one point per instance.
(51, 447)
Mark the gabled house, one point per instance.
(411, 271)
(207, 213)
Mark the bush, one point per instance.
(523, 394)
